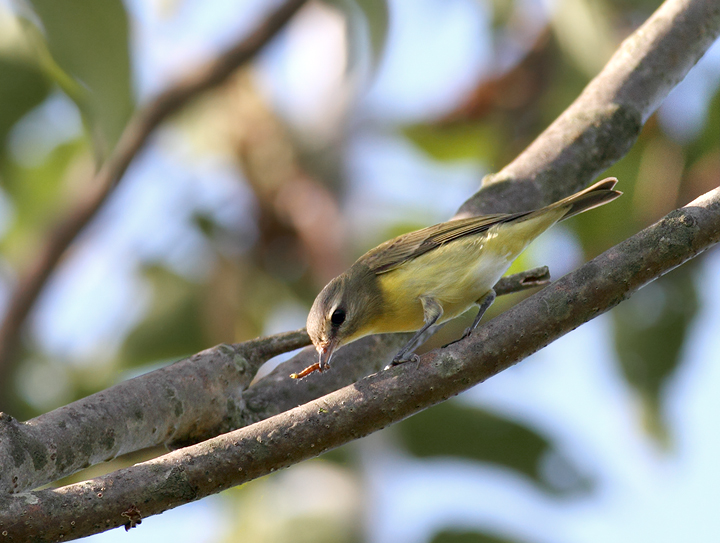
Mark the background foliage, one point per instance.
(362, 120)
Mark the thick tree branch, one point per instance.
(370, 404)
(133, 138)
(186, 402)
(605, 120)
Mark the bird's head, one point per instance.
(342, 312)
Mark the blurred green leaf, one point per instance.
(453, 536)
(343, 456)
(502, 12)
(639, 10)
(174, 326)
(22, 87)
(709, 138)
(88, 39)
(461, 141)
(606, 226)
(367, 26)
(37, 195)
(584, 31)
(457, 430)
(376, 16)
(650, 330)
(703, 156)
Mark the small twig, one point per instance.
(133, 138)
(517, 282)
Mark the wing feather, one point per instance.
(395, 252)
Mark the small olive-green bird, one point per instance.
(432, 275)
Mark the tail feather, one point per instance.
(595, 195)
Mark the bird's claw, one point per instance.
(466, 334)
(402, 359)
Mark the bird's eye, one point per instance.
(338, 317)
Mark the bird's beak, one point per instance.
(326, 352)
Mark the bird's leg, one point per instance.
(485, 302)
(432, 311)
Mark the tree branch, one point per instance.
(370, 404)
(189, 401)
(605, 120)
(133, 138)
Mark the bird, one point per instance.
(432, 275)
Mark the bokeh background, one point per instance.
(363, 119)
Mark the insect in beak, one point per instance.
(326, 352)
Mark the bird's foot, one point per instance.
(402, 358)
(466, 334)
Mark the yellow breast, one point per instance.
(456, 274)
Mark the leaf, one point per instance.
(707, 140)
(456, 430)
(174, 327)
(453, 536)
(38, 195)
(585, 34)
(22, 87)
(367, 26)
(650, 330)
(462, 141)
(88, 39)
(376, 17)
